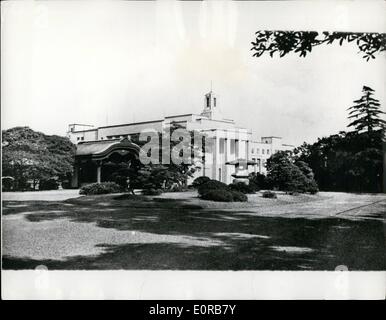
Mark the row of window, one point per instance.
(263, 151)
(258, 161)
(258, 150)
(108, 137)
(118, 136)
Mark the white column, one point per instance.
(99, 172)
(75, 176)
(227, 150)
(214, 155)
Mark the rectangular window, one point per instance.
(257, 151)
(233, 146)
(263, 151)
(253, 150)
(221, 145)
(258, 164)
(267, 151)
(219, 174)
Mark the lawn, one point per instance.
(178, 231)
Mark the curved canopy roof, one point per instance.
(103, 148)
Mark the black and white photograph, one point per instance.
(193, 143)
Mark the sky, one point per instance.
(112, 62)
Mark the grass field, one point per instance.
(180, 231)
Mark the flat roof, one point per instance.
(181, 115)
(271, 137)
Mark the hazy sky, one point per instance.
(116, 62)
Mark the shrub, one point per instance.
(290, 175)
(151, 192)
(211, 185)
(259, 180)
(199, 181)
(242, 187)
(239, 196)
(218, 195)
(49, 184)
(100, 188)
(224, 195)
(312, 187)
(121, 181)
(269, 194)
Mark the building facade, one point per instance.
(229, 142)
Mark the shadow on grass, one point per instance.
(249, 242)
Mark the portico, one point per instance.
(95, 161)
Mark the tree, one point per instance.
(366, 112)
(165, 176)
(33, 156)
(348, 161)
(287, 175)
(302, 42)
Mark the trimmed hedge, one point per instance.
(199, 181)
(239, 196)
(217, 195)
(100, 188)
(218, 191)
(211, 185)
(224, 196)
(269, 194)
(244, 188)
(259, 180)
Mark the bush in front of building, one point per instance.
(217, 195)
(313, 188)
(211, 185)
(100, 188)
(239, 196)
(199, 181)
(218, 191)
(269, 194)
(244, 188)
(288, 175)
(49, 184)
(223, 195)
(259, 180)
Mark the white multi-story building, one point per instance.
(228, 141)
